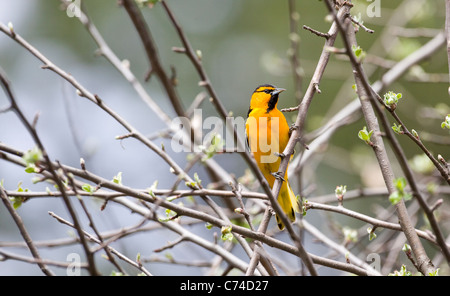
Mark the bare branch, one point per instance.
(24, 233)
(365, 93)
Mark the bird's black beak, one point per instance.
(277, 91)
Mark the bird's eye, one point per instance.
(267, 91)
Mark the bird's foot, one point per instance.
(278, 175)
(292, 128)
(280, 155)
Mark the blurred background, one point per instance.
(243, 44)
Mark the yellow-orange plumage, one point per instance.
(268, 134)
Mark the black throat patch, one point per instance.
(272, 102)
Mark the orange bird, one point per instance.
(267, 136)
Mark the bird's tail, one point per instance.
(288, 202)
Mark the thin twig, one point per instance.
(365, 93)
(293, 52)
(27, 238)
(4, 255)
(367, 219)
(112, 250)
(360, 24)
(447, 33)
(50, 165)
(152, 54)
(315, 32)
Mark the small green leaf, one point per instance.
(32, 156)
(88, 188)
(16, 201)
(31, 168)
(340, 191)
(446, 122)
(365, 135)
(391, 99)
(197, 179)
(406, 248)
(163, 220)
(397, 129)
(118, 178)
(304, 206)
(395, 197)
(138, 258)
(191, 185)
(195, 184)
(372, 234)
(399, 194)
(153, 188)
(226, 233)
(227, 237)
(168, 256)
(400, 184)
(217, 144)
(170, 215)
(362, 135)
(169, 198)
(359, 52)
(208, 225)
